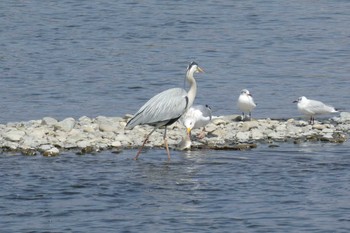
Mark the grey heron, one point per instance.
(196, 117)
(246, 103)
(313, 107)
(166, 107)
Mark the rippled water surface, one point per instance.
(75, 58)
(303, 188)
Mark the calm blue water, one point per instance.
(302, 188)
(74, 58)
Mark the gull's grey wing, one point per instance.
(317, 107)
(206, 110)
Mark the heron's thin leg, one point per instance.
(166, 144)
(143, 144)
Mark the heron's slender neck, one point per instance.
(193, 88)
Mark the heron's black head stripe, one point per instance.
(191, 64)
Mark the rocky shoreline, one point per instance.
(49, 136)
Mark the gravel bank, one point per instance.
(49, 136)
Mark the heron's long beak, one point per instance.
(200, 69)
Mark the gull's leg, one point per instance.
(312, 120)
(201, 134)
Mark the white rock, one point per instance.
(51, 152)
(14, 135)
(327, 131)
(66, 125)
(107, 124)
(243, 136)
(116, 144)
(45, 147)
(248, 125)
(89, 128)
(85, 120)
(116, 119)
(328, 135)
(277, 134)
(75, 135)
(343, 127)
(218, 121)
(122, 124)
(122, 137)
(215, 141)
(257, 134)
(318, 126)
(281, 127)
(37, 132)
(49, 121)
(345, 116)
(29, 141)
(293, 130)
(9, 144)
(219, 132)
(210, 127)
(83, 144)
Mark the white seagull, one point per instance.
(196, 117)
(246, 103)
(313, 107)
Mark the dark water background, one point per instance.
(75, 58)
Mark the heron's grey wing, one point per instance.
(161, 108)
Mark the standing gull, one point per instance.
(196, 117)
(166, 107)
(246, 103)
(313, 107)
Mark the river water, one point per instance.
(75, 58)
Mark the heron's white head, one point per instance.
(194, 68)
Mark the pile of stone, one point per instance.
(49, 136)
